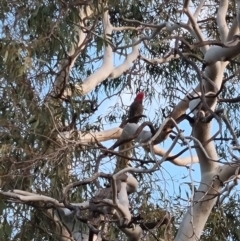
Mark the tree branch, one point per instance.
(221, 19)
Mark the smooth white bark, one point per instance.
(115, 133)
(217, 53)
(91, 137)
(204, 199)
(196, 31)
(119, 70)
(183, 161)
(107, 67)
(221, 19)
(233, 30)
(238, 14)
(200, 207)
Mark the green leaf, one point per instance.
(2, 236)
(99, 45)
(7, 229)
(2, 206)
(36, 124)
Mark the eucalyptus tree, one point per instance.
(67, 71)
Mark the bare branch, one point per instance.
(127, 62)
(199, 9)
(221, 19)
(196, 30)
(101, 74)
(238, 14)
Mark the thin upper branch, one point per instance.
(101, 74)
(238, 14)
(197, 33)
(221, 19)
(127, 62)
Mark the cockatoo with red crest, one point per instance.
(136, 108)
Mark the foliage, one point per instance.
(224, 218)
(35, 41)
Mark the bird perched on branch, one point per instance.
(134, 115)
(136, 108)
